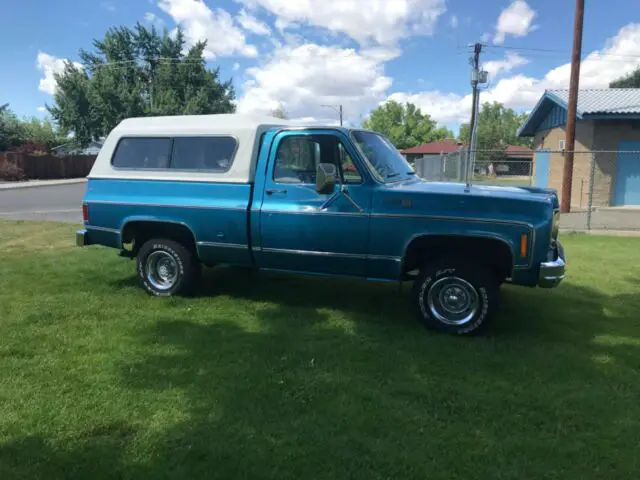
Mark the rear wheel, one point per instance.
(166, 267)
(456, 296)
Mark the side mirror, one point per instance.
(326, 178)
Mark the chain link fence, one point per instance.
(605, 191)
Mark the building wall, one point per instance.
(550, 139)
(608, 135)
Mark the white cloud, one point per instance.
(236, 67)
(618, 58)
(252, 24)
(216, 27)
(303, 78)
(42, 109)
(384, 22)
(512, 60)
(453, 21)
(515, 20)
(154, 20)
(50, 65)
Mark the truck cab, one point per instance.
(176, 193)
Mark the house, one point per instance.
(515, 160)
(608, 122)
(72, 148)
(449, 145)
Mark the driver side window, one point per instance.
(296, 160)
(298, 157)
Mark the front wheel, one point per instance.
(456, 296)
(166, 267)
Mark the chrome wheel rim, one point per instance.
(161, 270)
(453, 300)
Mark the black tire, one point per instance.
(474, 291)
(176, 258)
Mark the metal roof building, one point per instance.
(609, 102)
(607, 139)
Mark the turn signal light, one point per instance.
(523, 245)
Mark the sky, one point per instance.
(304, 54)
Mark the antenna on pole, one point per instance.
(477, 77)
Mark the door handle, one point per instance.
(271, 191)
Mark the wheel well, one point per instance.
(495, 254)
(138, 232)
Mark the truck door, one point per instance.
(301, 229)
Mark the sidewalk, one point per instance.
(40, 183)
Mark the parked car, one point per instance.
(178, 192)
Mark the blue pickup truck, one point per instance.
(176, 193)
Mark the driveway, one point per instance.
(62, 203)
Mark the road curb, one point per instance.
(41, 183)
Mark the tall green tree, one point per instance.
(628, 81)
(10, 131)
(405, 125)
(497, 127)
(136, 72)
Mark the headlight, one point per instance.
(555, 225)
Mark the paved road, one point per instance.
(61, 203)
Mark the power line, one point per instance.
(507, 47)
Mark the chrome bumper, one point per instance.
(552, 272)
(82, 238)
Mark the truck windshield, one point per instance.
(384, 159)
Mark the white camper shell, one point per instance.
(245, 129)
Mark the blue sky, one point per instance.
(304, 53)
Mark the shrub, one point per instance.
(11, 172)
(32, 148)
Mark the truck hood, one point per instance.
(532, 194)
(527, 204)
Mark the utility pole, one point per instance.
(337, 109)
(476, 77)
(574, 86)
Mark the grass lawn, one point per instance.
(266, 376)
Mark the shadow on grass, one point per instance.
(95, 455)
(370, 394)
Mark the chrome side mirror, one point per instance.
(326, 178)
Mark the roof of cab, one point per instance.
(198, 123)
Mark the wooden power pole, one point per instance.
(574, 86)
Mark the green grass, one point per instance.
(266, 376)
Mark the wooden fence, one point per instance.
(49, 167)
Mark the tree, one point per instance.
(28, 134)
(280, 112)
(136, 72)
(497, 127)
(405, 125)
(628, 81)
(11, 130)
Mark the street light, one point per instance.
(337, 109)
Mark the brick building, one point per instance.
(608, 122)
